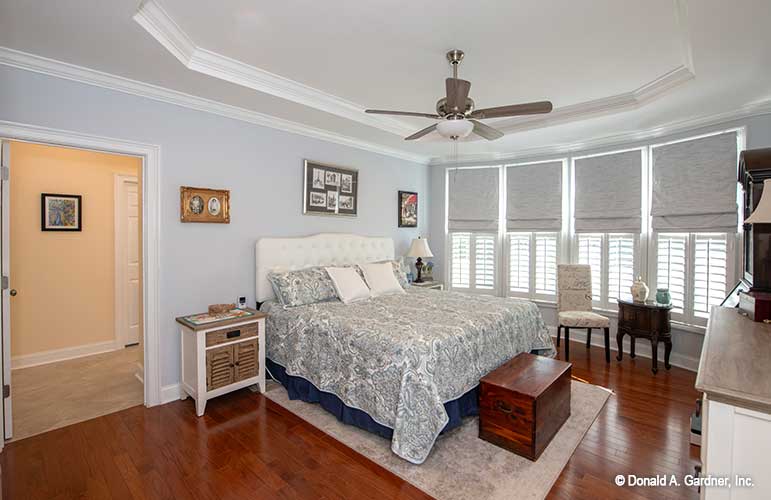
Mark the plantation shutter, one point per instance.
(608, 193)
(460, 264)
(519, 262)
(534, 197)
(620, 266)
(473, 199)
(484, 261)
(546, 263)
(671, 267)
(694, 185)
(590, 252)
(709, 272)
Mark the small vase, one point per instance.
(639, 290)
(663, 296)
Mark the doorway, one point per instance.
(75, 283)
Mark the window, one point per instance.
(612, 259)
(532, 262)
(472, 261)
(695, 268)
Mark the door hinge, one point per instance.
(4, 282)
(5, 173)
(6, 391)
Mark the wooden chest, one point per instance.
(523, 403)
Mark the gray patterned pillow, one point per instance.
(302, 287)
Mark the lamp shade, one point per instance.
(419, 248)
(762, 213)
(452, 129)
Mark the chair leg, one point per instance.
(567, 344)
(588, 337)
(559, 328)
(607, 344)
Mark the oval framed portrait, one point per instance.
(214, 206)
(196, 205)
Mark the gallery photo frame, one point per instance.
(330, 190)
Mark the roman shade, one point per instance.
(608, 193)
(534, 197)
(473, 199)
(694, 185)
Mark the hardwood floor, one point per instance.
(248, 447)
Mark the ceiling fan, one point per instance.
(457, 114)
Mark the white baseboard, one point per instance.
(52, 356)
(170, 393)
(642, 348)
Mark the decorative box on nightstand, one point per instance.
(222, 356)
(433, 285)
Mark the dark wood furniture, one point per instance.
(754, 169)
(523, 403)
(647, 320)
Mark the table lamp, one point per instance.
(419, 248)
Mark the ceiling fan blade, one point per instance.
(401, 113)
(457, 92)
(486, 131)
(530, 108)
(421, 133)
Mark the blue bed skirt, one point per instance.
(299, 388)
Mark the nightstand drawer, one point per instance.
(230, 334)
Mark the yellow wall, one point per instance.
(65, 281)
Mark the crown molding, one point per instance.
(59, 69)
(157, 22)
(609, 141)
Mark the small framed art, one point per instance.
(61, 212)
(408, 209)
(204, 205)
(330, 190)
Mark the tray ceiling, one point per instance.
(608, 66)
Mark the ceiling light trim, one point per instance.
(544, 153)
(38, 64)
(161, 26)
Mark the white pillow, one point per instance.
(348, 284)
(381, 279)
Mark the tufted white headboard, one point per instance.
(325, 249)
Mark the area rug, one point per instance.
(462, 466)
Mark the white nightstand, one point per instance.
(432, 285)
(222, 356)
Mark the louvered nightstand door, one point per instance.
(219, 367)
(246, 359)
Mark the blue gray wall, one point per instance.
(203, 264)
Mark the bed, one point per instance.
(404, 366)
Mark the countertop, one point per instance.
(735, 364)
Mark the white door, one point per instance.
(127, 260)
(5, 264)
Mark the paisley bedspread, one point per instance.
(399, 358)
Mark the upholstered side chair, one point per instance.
(574, 306)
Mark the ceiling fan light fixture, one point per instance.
(454, 129)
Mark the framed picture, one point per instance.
(61, 212)
(204, 205)
(408, 209)
(330, 190)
